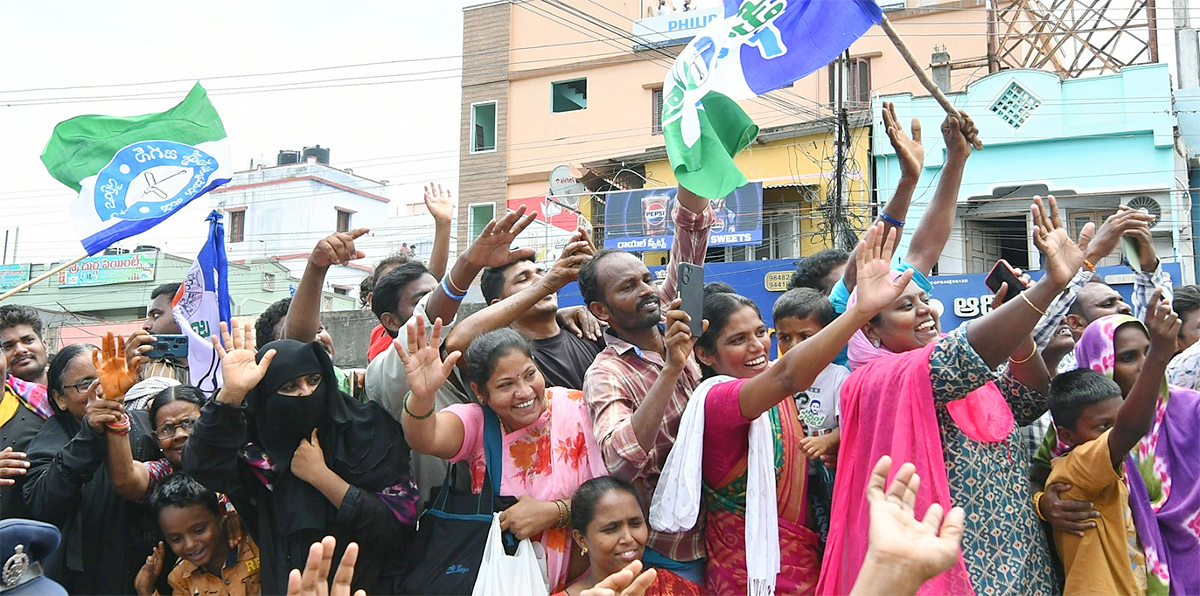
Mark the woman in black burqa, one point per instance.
(301, 460)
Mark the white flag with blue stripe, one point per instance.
(201, 304)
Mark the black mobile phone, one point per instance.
(174, 346)
(691, 292)
(1003, 272)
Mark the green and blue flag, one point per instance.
(132, 173)
(759, 46)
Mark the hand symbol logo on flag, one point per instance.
(759, 46)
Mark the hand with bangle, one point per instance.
(426, 370)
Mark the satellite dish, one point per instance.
(564, 184)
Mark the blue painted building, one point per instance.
(1095, 143)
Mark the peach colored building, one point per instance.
(567, 82)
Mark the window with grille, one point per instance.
(237, 226)
(857, 80)
(343, 221)
(656, 105)
(1015, 105)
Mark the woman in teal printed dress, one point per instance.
(929, 398)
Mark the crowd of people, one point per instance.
(1046, 447)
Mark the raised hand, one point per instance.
(314, 581)
(491, 248)
(1118, 224)
(439, 203)
(578, 251)
(1163, 325)
(12, 465)
(924, 548)
(959, 134)
(337, 249)
(116, 374)
(1063, 257)
(240, 372)
(422, 359)
(875, 286)
(143, 584)
(910, 152)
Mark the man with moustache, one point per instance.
(637, 388)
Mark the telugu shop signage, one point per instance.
(12, 276)
(109, 269)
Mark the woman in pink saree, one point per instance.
(738, 443)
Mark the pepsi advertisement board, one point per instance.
(638, 220)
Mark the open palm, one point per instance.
(116, 374)
(491, 249)
(875, 286)
(928, 546)
(240, 370)
(439, 202)
(422, 359)
(1063, 256)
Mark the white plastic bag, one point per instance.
(501, 574)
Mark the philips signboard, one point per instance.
(671, 29)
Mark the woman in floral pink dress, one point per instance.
(547, 445)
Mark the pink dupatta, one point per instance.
(887, 408)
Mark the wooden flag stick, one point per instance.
(924, 78)
(43, 276)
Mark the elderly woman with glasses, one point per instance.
(105, 538)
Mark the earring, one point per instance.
(875, 342)
(584, 551)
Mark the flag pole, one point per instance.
(43, 276)
(926, 82)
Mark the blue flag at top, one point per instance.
(201, 304)
(759, 46)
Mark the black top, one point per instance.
(564, 358)
(17, 433)
(212, 457)
(105, 538)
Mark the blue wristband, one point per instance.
(889, 219)
(450, 294)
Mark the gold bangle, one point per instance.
(1037, 501)
(1031, 304)
(1089, 265)
(454, 286)
(1027, 358)
(414, 416)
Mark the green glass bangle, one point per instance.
(414, 416)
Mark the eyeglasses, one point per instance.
(82, 386)
(167, 431)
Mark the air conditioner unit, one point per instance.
(1148, 204)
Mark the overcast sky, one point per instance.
(135, 57)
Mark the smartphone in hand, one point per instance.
(691, 294)
(1003, 272)
(174, 346)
